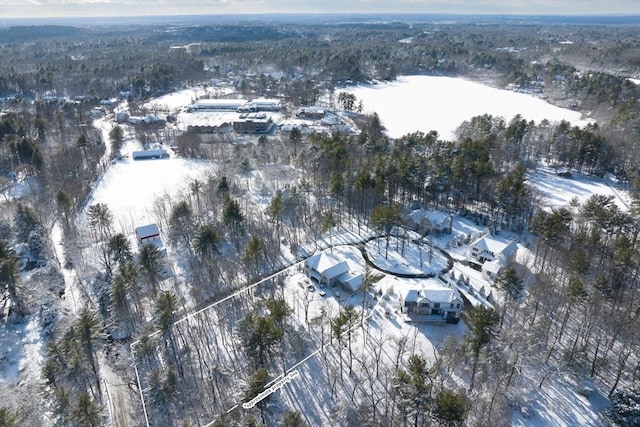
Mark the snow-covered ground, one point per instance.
(425, 103)
(558, 191)
(406, 257)
(130, 187)
(181, 99)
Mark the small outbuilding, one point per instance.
(147, 233)
(150, 235)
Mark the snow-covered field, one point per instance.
(130, 187)
(558, 191)
(425, 103)
(183, 98)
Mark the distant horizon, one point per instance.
(100, 9)
(314, 16)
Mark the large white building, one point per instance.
(219, 105)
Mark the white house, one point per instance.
(330, 271)
(429, 221)
(431, 302)
(492, 247)
(324, 268)
(493, 253)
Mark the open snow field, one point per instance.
(130, 187)
(426, 103)
(559, 191)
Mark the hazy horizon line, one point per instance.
(241, 15)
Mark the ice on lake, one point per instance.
(426, 103)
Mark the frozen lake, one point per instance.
(427, 103)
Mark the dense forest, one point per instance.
(574, 307)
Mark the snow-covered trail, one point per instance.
(74, 297)
(116, 392)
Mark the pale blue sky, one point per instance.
(103, 8)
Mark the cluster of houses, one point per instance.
(420, 300)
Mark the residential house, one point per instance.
(492, 247)
(330, 271)
(492, 252)
(428, 221)
(432, 302)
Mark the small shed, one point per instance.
(147, 233)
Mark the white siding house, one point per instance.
(432, 302)
(327, 270)
(491, 247)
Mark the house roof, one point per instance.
(492, 266)
(431, 293)
(352, 281)
(496, 244)
(146, 231)
(434, 218)
(327, 265)
(336, 270)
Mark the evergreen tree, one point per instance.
(450, 409)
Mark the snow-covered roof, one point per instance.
(496, 245)
(431, 292)
(219, 103)
(492, 267)
(351, 280)
(213, 119)
(411, 295)
(440, 294)
(149, 230)
(434, 218)
(336, 270)
(327, 265)
(262, 103)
